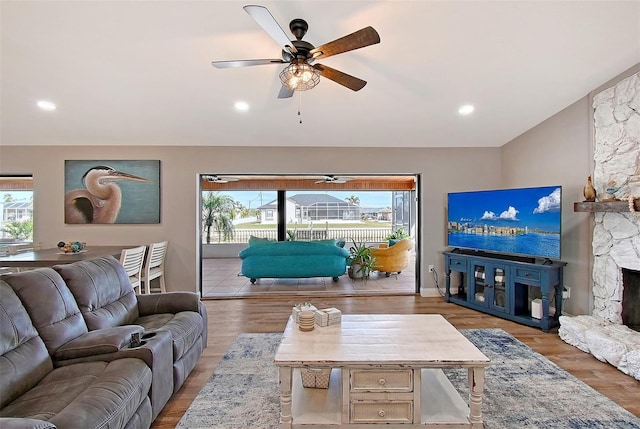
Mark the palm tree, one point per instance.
(218, 211)
(353, 200)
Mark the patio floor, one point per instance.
(221, 278)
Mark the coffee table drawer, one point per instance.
(382, 412)
(367, 380)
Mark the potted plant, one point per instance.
(360, 260)
(398, 234)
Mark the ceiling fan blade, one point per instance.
(244, 63)
(268, 23)
(343, 79)
(285, 92)
(361, 38)
(219, 179)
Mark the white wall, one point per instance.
(559, 151)
(442, 170)
(556, 152)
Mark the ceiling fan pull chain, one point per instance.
(300, 105)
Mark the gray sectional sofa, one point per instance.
(67, 357)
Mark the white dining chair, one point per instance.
(154, 266)
(132, 260)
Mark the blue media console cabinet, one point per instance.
(525, 292)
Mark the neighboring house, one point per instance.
(269, 211)
(17, 210)
(376, 213)
(311, 208)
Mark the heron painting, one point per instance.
(107, 192)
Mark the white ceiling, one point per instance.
(139, 72)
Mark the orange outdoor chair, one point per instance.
(392, 259)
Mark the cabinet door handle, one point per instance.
(381, 413)
(382, 382)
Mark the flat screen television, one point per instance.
(524, 221)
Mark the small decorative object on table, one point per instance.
(306, 321)
(328, 317)
(71, 246)
(300, 308)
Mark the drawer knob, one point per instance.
(381, 413)
(382, 382)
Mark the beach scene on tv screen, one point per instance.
(513, 221)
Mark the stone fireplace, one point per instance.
(616, 234)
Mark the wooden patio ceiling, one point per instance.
(300, 182)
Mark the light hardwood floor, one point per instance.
(230, 317)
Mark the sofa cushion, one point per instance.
(329, 242)
(50, 304)
(86, 395)
(185, 328)
(257, 241)
(293, 248)
(102, 290)
(24, 358)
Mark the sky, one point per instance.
(254, 199)
(17, 195)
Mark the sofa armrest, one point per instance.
(18, 423)
(168, 302)
(98, 342)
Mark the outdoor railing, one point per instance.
(304, 234)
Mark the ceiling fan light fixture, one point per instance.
(299, 76)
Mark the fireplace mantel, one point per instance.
(605, 206)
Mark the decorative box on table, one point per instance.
(299, 308)
(328, 317)
(317, 378)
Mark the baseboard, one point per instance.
(429, 292)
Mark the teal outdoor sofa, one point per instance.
(293, 259)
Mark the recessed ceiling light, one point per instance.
(46, 105)
(466, 109)
(241, 106)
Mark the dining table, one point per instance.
(49, 257)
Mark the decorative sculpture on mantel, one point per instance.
(589, 191)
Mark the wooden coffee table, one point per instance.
(386, 372)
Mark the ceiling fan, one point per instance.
(219, 179)
(334, 179)
(300, 75)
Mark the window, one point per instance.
(16, 208)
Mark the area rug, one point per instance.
(523, 389)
